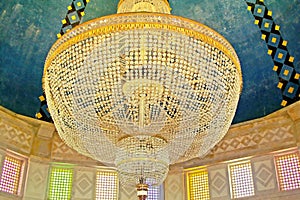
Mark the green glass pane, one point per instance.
(60, 185)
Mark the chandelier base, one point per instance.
(142, 191)
(142, 158)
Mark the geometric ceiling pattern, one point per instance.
(289, 78)
(269, 57)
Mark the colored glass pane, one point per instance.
(60, 185)
(11, 173)
(107, 185)
(288, 171)
(198, 185)
(241, 180)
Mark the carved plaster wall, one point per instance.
(256, 140)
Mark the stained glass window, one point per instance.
(241, 180)
(198, 187)
(11, 175)
(107, 185)
(288, 171)
(60, 185)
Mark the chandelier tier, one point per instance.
(141, 90)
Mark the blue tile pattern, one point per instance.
(277, 49)
(72, 19)
(28, 28)
(74, 15)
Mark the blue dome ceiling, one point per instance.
(28, 28)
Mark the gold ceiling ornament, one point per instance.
(157, 6)
(142, 90)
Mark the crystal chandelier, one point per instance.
(142, 89)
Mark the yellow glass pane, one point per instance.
(198, 185)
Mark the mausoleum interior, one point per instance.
(149, 99)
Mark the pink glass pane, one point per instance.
(10, 176)
(288, 170)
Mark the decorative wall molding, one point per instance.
(40, 142)
(84, 183)
(62, 152)
(2, 155)
(175, 187)
(219, 185)
(127, 193)
(279, 130)
(258, 136)
(264, 174)
(37, 180)
(15, 137)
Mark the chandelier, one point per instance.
(142, 89)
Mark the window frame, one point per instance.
(60, 166)
(22, 175)
(194, 171)
(160, 192)
(107, 171)
(296, 151)
(231, 181)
